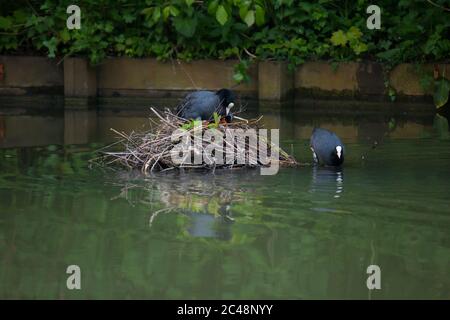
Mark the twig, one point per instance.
(155, 214)
(438, 6)
(250, 54)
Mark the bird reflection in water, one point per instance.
(339, 183)
(207, 200)
(207, 225)
(327, 184)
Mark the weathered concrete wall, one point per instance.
(362, 80)
(30, 75)
(275, 82)
(80, 79)
(320, 75)
(405, 78)
(149, 78)
(349, 79)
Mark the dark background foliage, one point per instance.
(411, 30)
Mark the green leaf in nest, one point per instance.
(216, 118)
(197, 123)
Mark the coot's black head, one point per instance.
(227, 99)
(226, 96)
(337, 156)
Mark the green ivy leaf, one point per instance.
(51, 46)
(441, 93)
(392, 93)
(260, 15)
(392, 124)
(20, 16)
(238, 77)
(243, 12)
(359, 47)
(427, 82)
(109, 27)
(147, 11)
(185, 26)
(250, 18)
(5, 23)
(166, 13)
(156, 14)
(64, 35)
(212, 7)
(339, 38)
(390, 55)
(128, 17)
(189, 2)
(353, 34)
(221, 15)
(174, 11)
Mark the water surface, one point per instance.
(304, 233)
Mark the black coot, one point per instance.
(327, 148)
(203, 104)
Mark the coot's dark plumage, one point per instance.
(327, 148)
(203, 104)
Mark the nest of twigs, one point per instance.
(151, 151)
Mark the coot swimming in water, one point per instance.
(203, 104)
(327, 148)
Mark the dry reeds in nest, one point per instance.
(151, 151)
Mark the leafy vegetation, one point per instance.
(411, 30)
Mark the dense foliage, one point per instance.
(412, 30)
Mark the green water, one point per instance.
(303, 233)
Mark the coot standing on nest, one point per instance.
(203, 104)
(327, 148)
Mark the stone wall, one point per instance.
(30, 75)
(81, 83)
